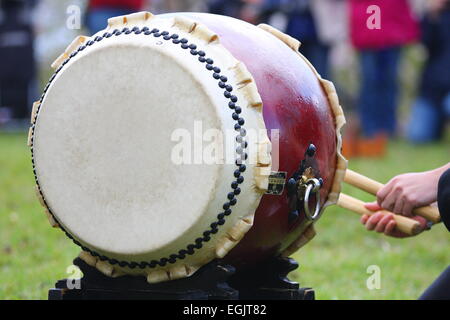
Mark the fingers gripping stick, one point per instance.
(404, 224)
(371, 186)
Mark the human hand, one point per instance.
(407, 191)
(383, 222)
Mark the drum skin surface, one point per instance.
(295, 103)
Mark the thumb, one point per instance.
(373, 206)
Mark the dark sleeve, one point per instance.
(430, 35)
(444, 198)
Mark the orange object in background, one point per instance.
(350, 147)
(351, 136)
(355, 145)
(375, 147)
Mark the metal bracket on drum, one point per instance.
(303, 187)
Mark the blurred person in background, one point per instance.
(99, 11)
(231, 8)
(247, 10)
(251, 11)
(163, 6)
(379, 46)
(18, 86)
(318, 25)
(431, 109)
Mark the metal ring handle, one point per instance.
(313, 186)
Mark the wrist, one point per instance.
(436, 173)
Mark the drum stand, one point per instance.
(214, 281)
(270, 282)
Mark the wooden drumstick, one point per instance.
(404, 224)
(358, 180)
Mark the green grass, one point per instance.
(33, 256)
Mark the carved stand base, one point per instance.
(214, 281)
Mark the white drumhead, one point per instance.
(103, 149)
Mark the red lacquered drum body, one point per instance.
(295, 103)
(102, 144)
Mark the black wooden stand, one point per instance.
(270, 282)
(214, 281)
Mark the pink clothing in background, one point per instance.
(398, 25)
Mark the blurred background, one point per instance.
(393, 81)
